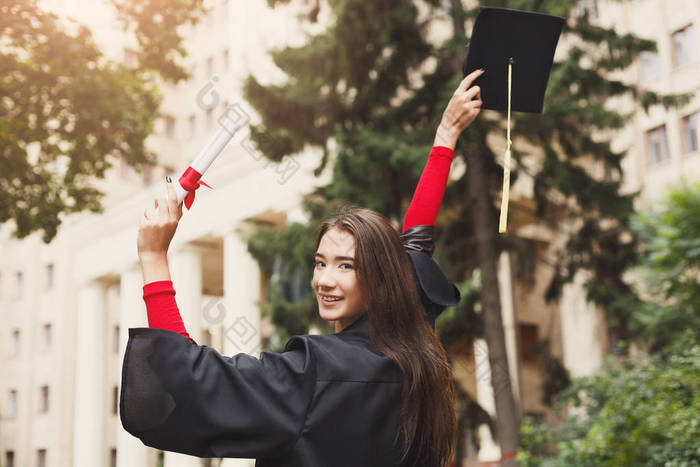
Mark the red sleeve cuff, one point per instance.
(158, 288)
(442, 151)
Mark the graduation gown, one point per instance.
(326, 400)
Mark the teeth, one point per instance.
(330, 299)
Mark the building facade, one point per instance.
(67, 306)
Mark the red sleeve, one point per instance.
(431, 187)
(161, 307)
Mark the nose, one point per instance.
(325, 278)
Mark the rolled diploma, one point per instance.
(210, 152)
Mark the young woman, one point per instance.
(378, 392)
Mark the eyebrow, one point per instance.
(338, 258)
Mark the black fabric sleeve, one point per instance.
(419, 238)
(435, 290)
(182, 397)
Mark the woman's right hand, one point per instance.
(157, 230)
(462, 109)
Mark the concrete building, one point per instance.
(66, 306)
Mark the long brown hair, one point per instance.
(398, 330)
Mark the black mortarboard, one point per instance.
(516, 48)
(530, 39)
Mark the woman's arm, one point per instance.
(161, 308)
(427, 198)
(462, 109)
(155, 233)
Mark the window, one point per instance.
(115, 340)
(685, 45)
(657, 145)
(113, 457)
(192, 122)
(19, 289)
(649, 66)
(528, 341)
(689, 127)
(41, 457)
(12, 404)
(44, 399)
(46, 338)
(15, 343)
(170, 127)
(115, 399)
(224, 60)
(49, 276)
(9, 459)
(210, 67)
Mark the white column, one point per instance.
(510, 323)
(131, 452)
(582, 339)
(489, 449)
(90, 387)
(241, 297)
(242, 319)
(186, 272)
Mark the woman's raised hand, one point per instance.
(462, 109)
(156, 229)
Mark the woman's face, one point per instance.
(335, 276)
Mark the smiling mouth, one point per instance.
(328, 299)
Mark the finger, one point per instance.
(172, 199)
(472, 92)
(150, 212)
(469, 79)
(163, 212)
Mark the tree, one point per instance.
(65, 108)
(370, 90)
(669, 266)
(643, 410)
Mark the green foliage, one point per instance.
(669, 270)
(66, 108)
(642, 411)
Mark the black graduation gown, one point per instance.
(326, 400)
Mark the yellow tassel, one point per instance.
(506, 162)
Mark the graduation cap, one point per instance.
(516, 48)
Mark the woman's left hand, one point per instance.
(156, 230)
(461, 111)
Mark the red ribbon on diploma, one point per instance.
(189, 182)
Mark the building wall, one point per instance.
(95, 271)
(96, 281)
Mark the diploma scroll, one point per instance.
(190, 180)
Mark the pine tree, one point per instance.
(373, 88)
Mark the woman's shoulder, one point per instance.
(342, 357)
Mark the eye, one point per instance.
(316, 263)
(349, 266)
